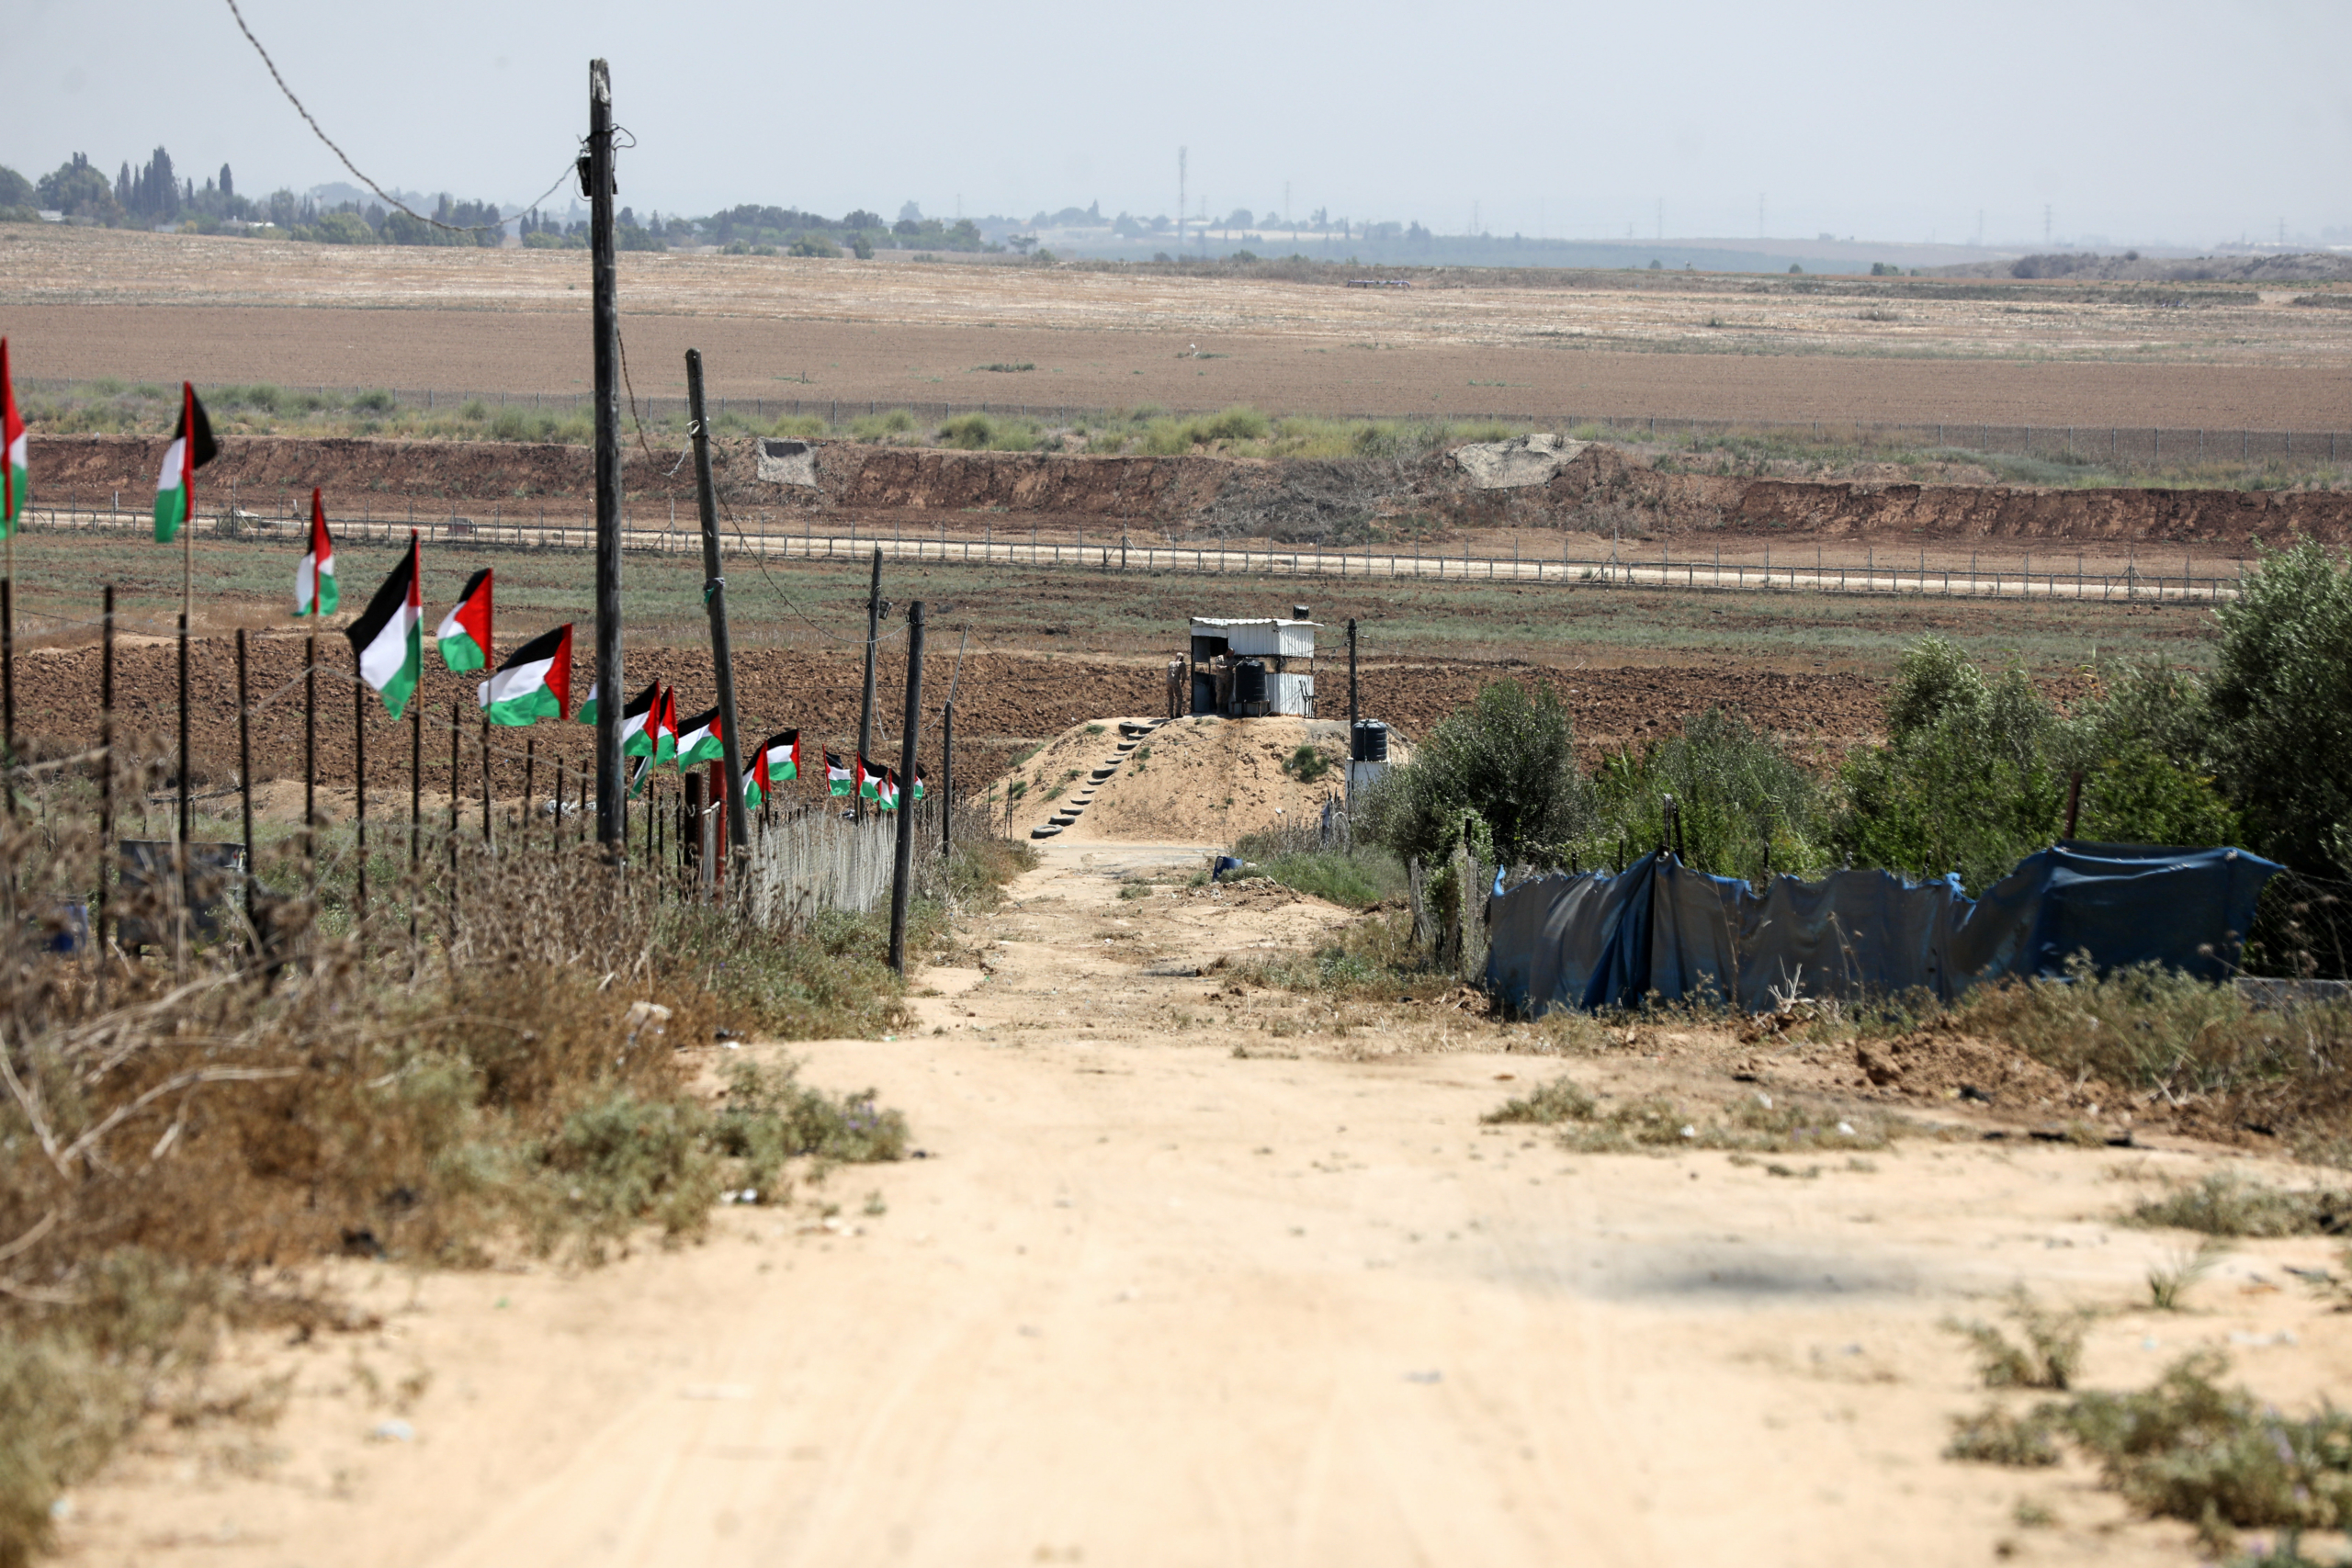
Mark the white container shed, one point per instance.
(1246, 667)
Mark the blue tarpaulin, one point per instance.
(1661, 929)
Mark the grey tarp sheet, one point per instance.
(1662, 929)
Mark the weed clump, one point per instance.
(1557, 1101)
(2047, 1354)
(1997, 1435)
(2225, 1203)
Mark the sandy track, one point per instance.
(85, 303)
(1148, 1301)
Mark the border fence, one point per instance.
(2120, 447)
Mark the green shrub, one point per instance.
(2047, 1353)
(1559, 1101)
(1509, 761)
(2227, 1203)
(2281, 687)
(1737, 794)
(1995, 1435)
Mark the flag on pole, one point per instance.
(918, 781)
(869, 783)
(315, 593)
(16, 466)
(665, 726)
(642, 771)
(886, 791)
(781, 752)
(756, 780)
(635, 718)
(534, 684)
(699, 740)
(191, 448)
(388, 636)
(837, 775)
(464, 633)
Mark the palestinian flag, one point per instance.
(699, 740)
(315, 593)
(756, 780)
(781, 752)
(191, 448)
(918, 781)
(869, 784)
(534, 684)
(837, 775)
(637, 775)
(665, 724)
(16, 466)
(635, 718)
(387, 638)
(886, 791)
(464, 634)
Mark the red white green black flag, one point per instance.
(464, 633)
(699, 740)
(16, 461)
(837, 775)
(315, 593)
(191, 448)
(534, 684)
(387, 638)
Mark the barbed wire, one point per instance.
(570, 169)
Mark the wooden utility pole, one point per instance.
(714, 600)
(902, 872)
(612, 808)
(865, 704)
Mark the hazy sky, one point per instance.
(2149, 122)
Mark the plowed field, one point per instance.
(88, 303)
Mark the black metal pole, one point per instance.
(1354, 713)
(530, 766)
(714, 600)
(612, 820)
(8, 678)
(456, 734)
(310, 765)
(245, 767)
(947, 779)
(902, 873)
(105, 769)
(359, 787)
(415, 809)
(866, 703)
(485, 777)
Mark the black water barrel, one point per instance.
(1371, 742)
(1249, 681)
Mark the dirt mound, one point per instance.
(1199, 780)
(1939, 1065)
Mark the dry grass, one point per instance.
(175, 1137)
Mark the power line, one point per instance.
(320, 132)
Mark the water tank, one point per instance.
(1371, 742)
(1248, 683)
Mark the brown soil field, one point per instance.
(81, 303)
(1004, 705)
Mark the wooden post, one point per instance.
(530, 797)
(866, 703)
(901, 871)
(714, 599)
(2073, 800)
(605, 325)
(947, 776)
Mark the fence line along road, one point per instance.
(1698, 574)
(2116, 447)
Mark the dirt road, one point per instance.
(1188, 1276)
